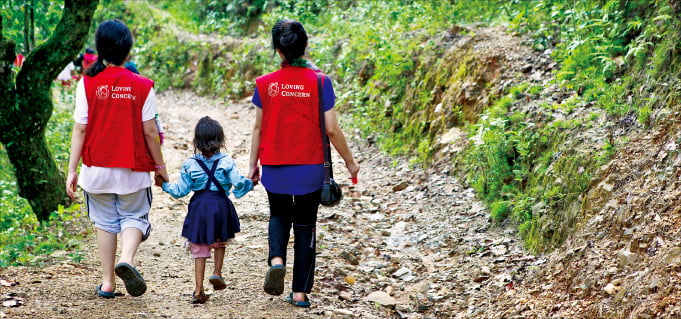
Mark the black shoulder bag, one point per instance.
(331, 191)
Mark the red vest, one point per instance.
(290, 132)
(115, 136)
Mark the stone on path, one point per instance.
(381, 298)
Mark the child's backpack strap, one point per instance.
(211, 174)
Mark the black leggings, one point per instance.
(299, 211)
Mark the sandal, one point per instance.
(274, 280)
(302, 304)
(200, 299)
(104, 294)
(134, 283)
(217, 282)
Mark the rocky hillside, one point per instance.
(624, 258)
(617, 249)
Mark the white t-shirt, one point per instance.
(65, 74)
(98, 180)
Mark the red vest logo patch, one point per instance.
(273, 89)
(103, 92)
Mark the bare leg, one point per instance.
(131, 239)
(299, 296)
(277, 261)
(199, 272)
(219, 260)
(106, 244)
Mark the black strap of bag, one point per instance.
(328, 171)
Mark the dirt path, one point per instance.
(405, 243)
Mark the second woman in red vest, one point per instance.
(116, 136)
(287, 143)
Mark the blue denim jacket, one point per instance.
(193, 178)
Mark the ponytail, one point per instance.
(96, 67)
(290, 38)
(113, 40)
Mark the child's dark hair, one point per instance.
(208, 136)
(290, 37)
(113, 41)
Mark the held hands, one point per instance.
(254, 174)
(158, 180)
(160, 176)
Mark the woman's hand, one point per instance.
(158, 180)
(353, 168)
(254, 174)
(160, 176)
(72, 184)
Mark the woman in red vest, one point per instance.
(115, 135)
(287, 143)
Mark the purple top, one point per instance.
(296, 179)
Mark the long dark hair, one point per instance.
(290, 37)
(113, 41)
(208, 136)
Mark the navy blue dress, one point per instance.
(212, 216)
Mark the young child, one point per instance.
(211, 219)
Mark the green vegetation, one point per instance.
(613, 54)
(22, 237)
(46, 16)
(399, 84)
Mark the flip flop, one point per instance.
(134, 283)
(217, 282)
(274, 280)
(302, 304)
(104, 294)
(200, 299)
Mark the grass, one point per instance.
(23, 239)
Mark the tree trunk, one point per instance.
(31, 30)
(7, 96)
(25, 113)
(27, 42)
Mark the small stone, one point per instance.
(402, 272)
(625, 257)
(344, 295)
(344, 312)
(381, 298)
(350, 279)
(674, 256)
(481, 278)
(499, 250)
(349, 257)
(527, 68)
(401, 186)
(610, 289)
